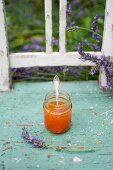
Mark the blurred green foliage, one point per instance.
(83, 15)
(26, 22)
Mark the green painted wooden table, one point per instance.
(92, 128)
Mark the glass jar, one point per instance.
(57, 118)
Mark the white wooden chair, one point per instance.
(50, 58)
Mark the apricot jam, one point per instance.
(57, 117)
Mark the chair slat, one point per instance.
(48, 25)
(62, 57)
(31, 59)
(62, 26)
(107, 44)
(4, 61)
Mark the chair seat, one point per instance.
(90, 134)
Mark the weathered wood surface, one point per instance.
(4, 60)
(107, 49)
(108, 30)
(62, 26)
(49, 58)
(92, 128)
(30, 59)
(48, 25)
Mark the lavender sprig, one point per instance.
(94, 28)
(100, 62)
(37, 143)
(74, 28)
(87, 56)
(93, 46)
(108, 67)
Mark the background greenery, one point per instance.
(26, 32)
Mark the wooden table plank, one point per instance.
(92, 125)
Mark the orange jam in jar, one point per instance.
(57, 117)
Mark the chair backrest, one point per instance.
(50, 58)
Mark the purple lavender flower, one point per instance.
(29, 47)
(71, 27)
(76, 2)
(108, 67)
(75, 72)
(15, 70)
(93, 70)
(35, 45)
(80, 13)
(69, 9)
(87, 56)
(24, 132)
(94, 29)
(100, 62)
(55, 41)
(37, 143)
(95, 47)
(110, 71)
(71, 23)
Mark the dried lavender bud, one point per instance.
(93, 70)
(39, 144)
(94, 29)
(24, 132)
(79, 49)
(71, 27)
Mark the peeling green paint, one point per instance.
(92, 125)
